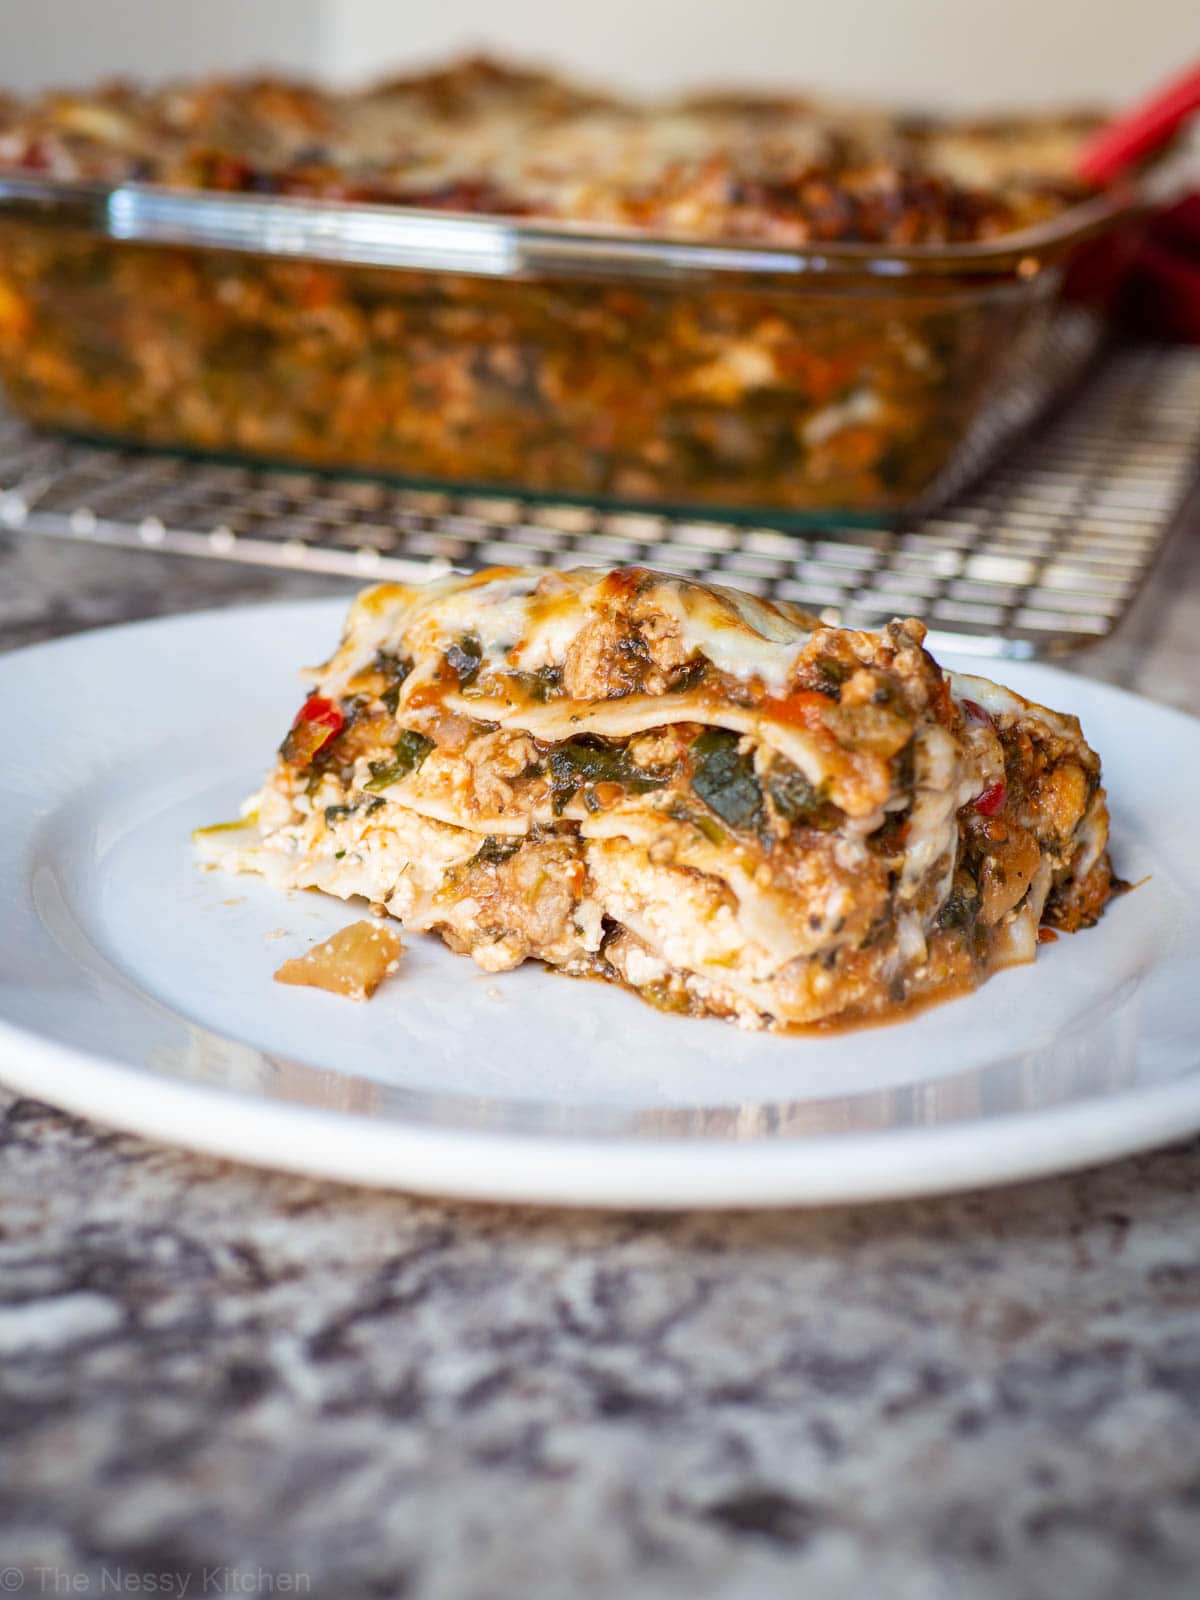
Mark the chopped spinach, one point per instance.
(395, 669)
(335, 813)
(795, 798)
(723, 777)
(958, 910)
(541, 685)
(590, 760)
(466, 657)
(392, 666)
(495, 849)
(411, 749)
(688, 676)
(701, 821)
(793, 795)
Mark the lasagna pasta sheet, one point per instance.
(719, 803)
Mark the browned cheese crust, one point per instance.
(483, 136)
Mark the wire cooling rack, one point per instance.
(1041, 556)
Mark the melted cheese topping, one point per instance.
(526, 619)
(1000, 702)
(741, 635)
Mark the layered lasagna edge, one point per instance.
(719, 803)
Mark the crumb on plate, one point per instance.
(354, 962)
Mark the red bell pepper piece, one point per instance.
(317, 722)
(992, 799)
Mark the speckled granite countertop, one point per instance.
(219, 1381)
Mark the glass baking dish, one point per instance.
(542, 359)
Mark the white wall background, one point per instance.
(77, 41)
(957, 52)
(925, 51)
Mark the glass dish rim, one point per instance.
(357, 234)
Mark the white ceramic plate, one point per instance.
(137, 989)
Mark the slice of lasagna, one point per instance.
(722, 804)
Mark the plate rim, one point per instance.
(710, 1173)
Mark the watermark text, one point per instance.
(167, 1584)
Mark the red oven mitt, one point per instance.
(1161, 294)
(1160, 298)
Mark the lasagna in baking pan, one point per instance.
(719, 803)
(528, 355)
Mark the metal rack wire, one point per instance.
(1040, 556)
